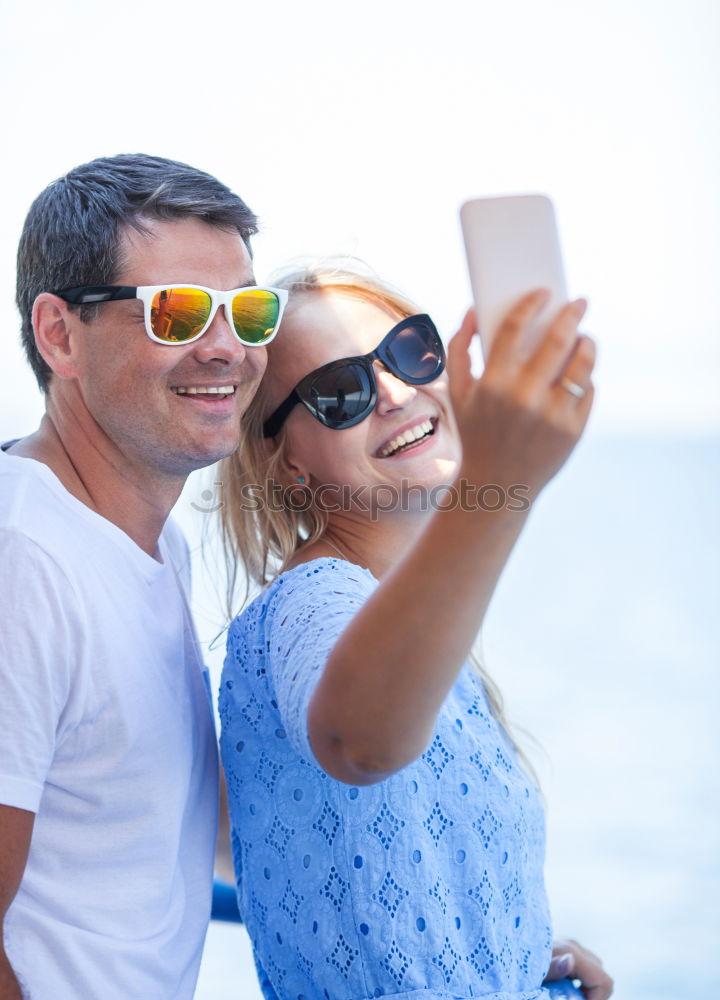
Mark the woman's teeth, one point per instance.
(191, 390)
(407, 437)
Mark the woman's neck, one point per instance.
(373, 544)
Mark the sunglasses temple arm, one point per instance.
(98, 293)
(276, 419)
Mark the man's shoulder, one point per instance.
(43, 522)
(37, 513)
(33, 503)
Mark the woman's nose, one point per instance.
(393, 393)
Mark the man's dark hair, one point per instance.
(72, 232)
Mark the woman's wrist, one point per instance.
(482, 512)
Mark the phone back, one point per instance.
(512, 247)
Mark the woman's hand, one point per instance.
(570, 960)
(519, 421)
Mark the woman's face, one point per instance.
(319, 327)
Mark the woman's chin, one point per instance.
(439, 472)
(447, 468)
(437, 475)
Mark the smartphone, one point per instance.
(512, 247)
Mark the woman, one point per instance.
(387, 838)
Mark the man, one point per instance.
(108, 765)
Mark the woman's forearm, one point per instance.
(386, 678)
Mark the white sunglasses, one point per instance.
(180, 314)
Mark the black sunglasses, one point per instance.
(344, 392)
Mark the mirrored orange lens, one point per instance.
(255, 315)
(179, 314)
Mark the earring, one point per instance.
(301, 479)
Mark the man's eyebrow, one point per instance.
(247, 284)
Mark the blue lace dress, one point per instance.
(427, 885)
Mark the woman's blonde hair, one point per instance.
(257, 530)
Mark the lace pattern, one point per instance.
(428, 881)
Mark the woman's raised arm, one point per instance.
(375, 705)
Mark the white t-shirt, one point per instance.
(106, 733)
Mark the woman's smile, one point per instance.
(408, 438)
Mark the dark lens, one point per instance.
(415, 352)
(341, 395)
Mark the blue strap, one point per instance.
(563, 989)
(224, 902)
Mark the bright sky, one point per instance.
(361, 127)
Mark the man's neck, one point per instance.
(93, 471)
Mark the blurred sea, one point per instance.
(605, 637)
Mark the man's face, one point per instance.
(128, 383)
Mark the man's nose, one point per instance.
(220, 342)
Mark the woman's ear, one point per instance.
(293, 473)
(55, 326)
(288, 470)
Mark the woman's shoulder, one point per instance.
(328, 568)
(278, 645)
(300, 593)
